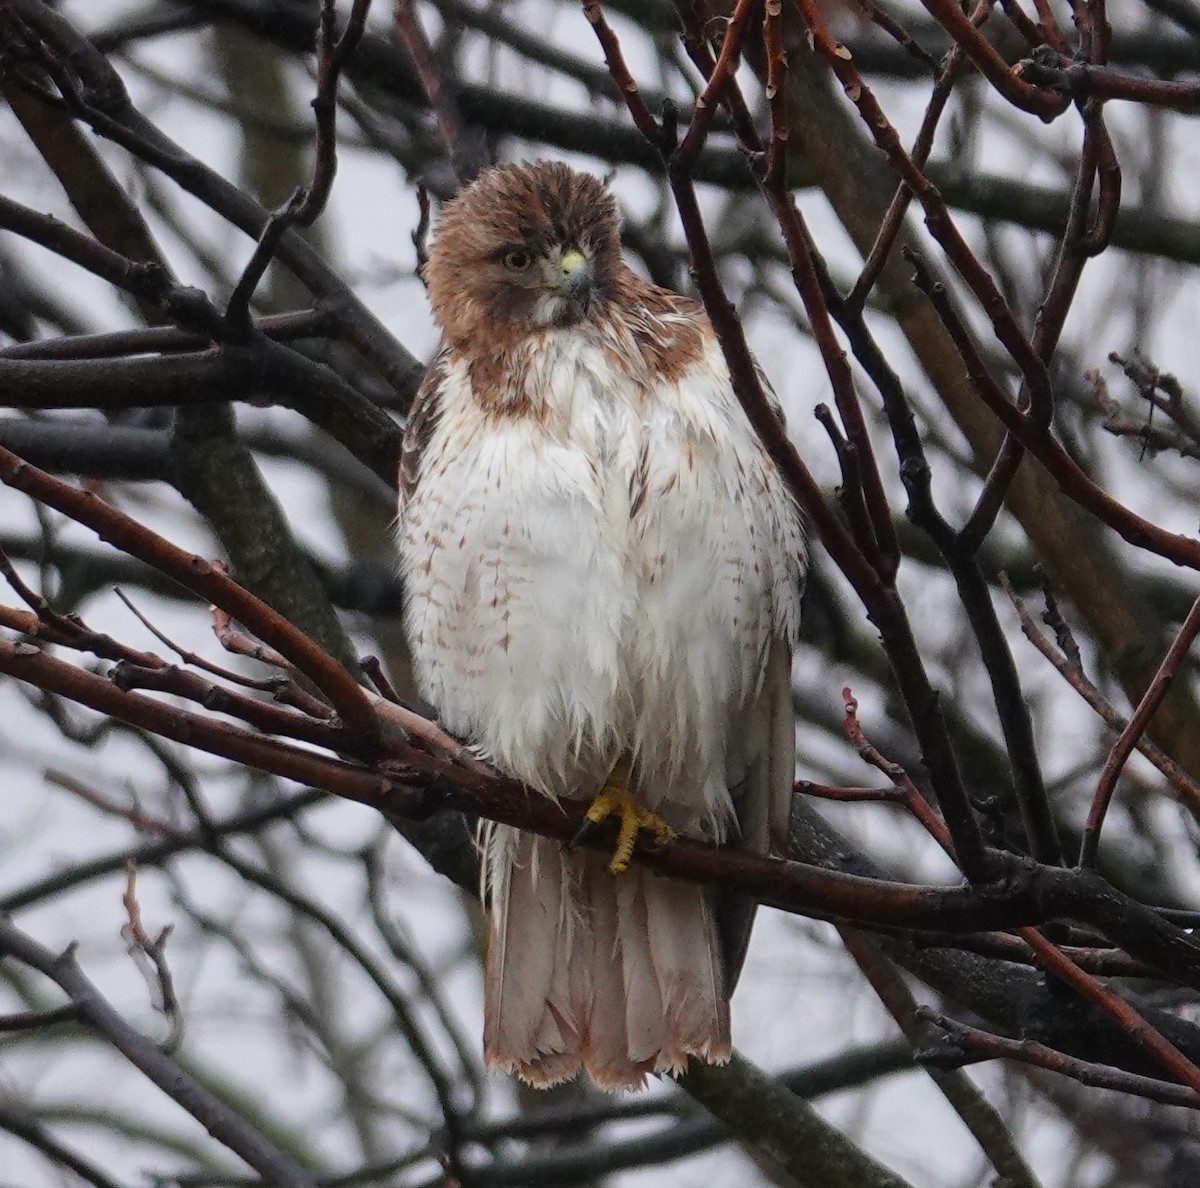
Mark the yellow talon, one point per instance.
(616, 799)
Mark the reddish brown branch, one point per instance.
(1050, 28)
(698, 40)
(1123, 747)
(1029, 29)
(1082, 80)
(719, 78)
(972, 1107)
(270, 685)
(776, 93)
(937, 215)
(1006, 79)
(863, 493)
(906, 791)
(898, 33)
(416, 784)
(1070, 668)
(1108, 177)
(1130, 1020)
(849, 795)
(876, 535)
(203, 579)
(1079, 243)
(439, 92)
(1071, 479)
(893, 220)
(65, 630)
(646, 124)
(285, 688)
(1049, 956)
(268, 718)
(1101, 1076)
(1161, 391)
(882, 602)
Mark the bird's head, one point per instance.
(523, 248)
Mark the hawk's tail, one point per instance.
(621, 974)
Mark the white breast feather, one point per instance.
(556, 629)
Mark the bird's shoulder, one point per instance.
(423, 417)
(669, 332)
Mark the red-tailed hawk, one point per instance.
(602, 569)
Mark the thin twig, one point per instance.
(1123, 747)
(1006, 80)
(884, 606)
(1069, 664)
(975, 1042)
(1081, 80)
(142, 822)
(201, 577)
(465, 151)
(980, 1118)
(150, 956)
(307, 202)
(218, 1118)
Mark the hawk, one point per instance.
(602, 569)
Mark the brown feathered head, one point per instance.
(523, 247)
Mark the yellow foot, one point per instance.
(617, 800)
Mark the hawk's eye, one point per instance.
(517, 260)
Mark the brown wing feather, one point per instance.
(762, 765)
(418, 429)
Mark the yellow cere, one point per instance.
(573, 261)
